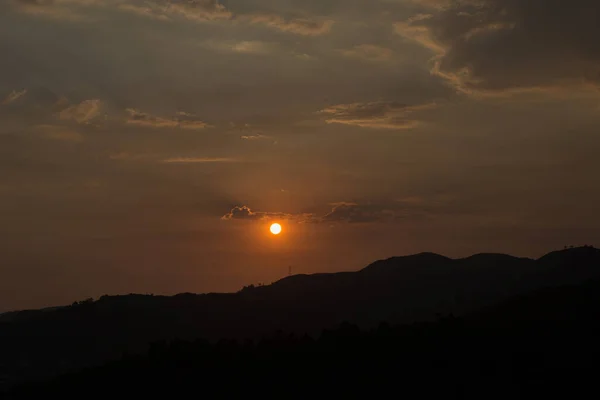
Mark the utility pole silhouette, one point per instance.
(290, 270)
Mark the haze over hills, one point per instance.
(398, 290)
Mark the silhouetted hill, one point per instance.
(543, 344)
(398, 290)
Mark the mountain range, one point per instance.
(422, 287)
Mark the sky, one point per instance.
(146, 146)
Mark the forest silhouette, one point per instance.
(535, 335)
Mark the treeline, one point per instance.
(453, 357)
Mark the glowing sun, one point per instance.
(275, 229)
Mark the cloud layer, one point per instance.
(340, 213)
(82, 113)
(245, 213)
(378, 115)
(322, 113)
(200, 11)
(181, 120)
(499, 45)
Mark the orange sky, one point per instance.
(146, 146)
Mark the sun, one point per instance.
(275, 229)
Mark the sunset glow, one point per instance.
(205, 145)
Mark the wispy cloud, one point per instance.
(146, 120)
(378, 115)
(300, 26)
(14, 96)
(245, 213)
(200, 11)
(181, 120)
(148, 11)
(242, 47)
(83, 112)
(258, 136)
(344, 212)
(193, 124)
(59, 9)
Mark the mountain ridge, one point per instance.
(391, 263)
(398, 290)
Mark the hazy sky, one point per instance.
(145, 146)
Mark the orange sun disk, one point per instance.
(275, 229)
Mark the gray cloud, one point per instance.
(245, 213)
(68, 10)
(40, 99)
(300, 26)
(147, 11)
(181, 120)
(257, 136)
(42, 107)
(378, 115)
(499, 45)
(166, 10)
(198, 10)
(340, 213)
(242, 47)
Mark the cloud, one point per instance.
(38, 98)
(414, 30)
(212, 10)
(195, 10)
(245, 213)
(166, 10)
(368, 52)
(242, 47)
(181, 120)
(378, 115)
(492, 46)
(435, 4)
(39, 105)
(193, 125)
(257, 136)
(199, 160)
(146, 120)
(55, 9)
(198, 10)
(14, 96)
(83, 112)
(148, 11)
(300, 26)
(340, 213)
